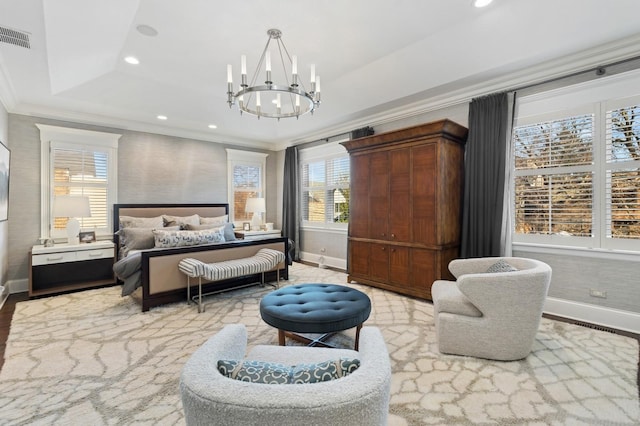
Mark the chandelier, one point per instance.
(288, 99)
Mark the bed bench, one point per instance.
(263, 261)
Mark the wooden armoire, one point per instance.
(406, 206)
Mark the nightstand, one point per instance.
(256, 235)
(67, 267)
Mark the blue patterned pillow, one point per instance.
(274, 373)
(501, 266)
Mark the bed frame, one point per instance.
(162, 282)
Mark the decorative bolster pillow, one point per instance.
(229, 234)
(166, 239)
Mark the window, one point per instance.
(325, 186)
(577, 169)
(83, 163)
(246, 172)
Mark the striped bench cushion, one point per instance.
(264, 260)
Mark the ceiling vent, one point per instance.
(17, 38)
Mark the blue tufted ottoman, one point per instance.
(315, 308)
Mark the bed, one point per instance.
(155, 269)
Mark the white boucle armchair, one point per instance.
(361, 398)
(490, 315)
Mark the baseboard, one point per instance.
(322, 261)
(18, 286)
(613, 318)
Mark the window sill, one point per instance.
(312, 228)
(578, 251)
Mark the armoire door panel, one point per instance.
(379, 262)
(400, 195)
(424, 270)
(359, 197)
(423, 194)
(399, 272)
(359, 258)
(379, 195)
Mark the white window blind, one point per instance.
(78, 162)
(623, 172)
(325, 176)
(247, 183)
(577, 166)
(82, 171)
(554, 176)
(246, 179)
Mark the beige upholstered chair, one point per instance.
(492, 315)
(361, 398)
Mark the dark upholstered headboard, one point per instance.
(152, 210)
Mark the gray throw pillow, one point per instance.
(501, 266)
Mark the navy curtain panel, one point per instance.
(485, 168)
(290, 202)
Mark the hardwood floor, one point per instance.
(6, 313)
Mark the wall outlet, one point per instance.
(597, 293)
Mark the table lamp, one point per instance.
(257, 207)
(72, 207)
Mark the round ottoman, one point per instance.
(315, 308)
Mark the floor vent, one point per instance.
(596, 327)
(17, 38)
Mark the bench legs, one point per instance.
(201, 306)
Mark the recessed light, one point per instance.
(147, 30)
(132, 60)
(162, 117)
(213, 126)
(481, 3)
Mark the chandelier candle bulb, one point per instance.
(294, 65)
(243, 65)
(229, 74)
(268, 62)
(313, 74)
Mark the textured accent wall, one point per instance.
(164, 169)
(151, 169)
(573, 276)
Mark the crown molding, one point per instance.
(132, 125)
(605, 54)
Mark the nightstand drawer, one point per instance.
(94, 254)
(51, 258)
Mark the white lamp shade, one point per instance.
(71, 206)
(255, 205)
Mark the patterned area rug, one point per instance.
(93, 358)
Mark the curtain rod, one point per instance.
(593, 73)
